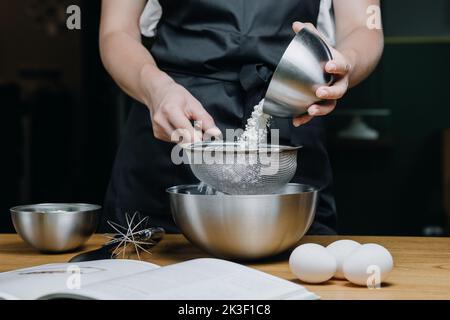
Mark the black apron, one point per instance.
(224, 53)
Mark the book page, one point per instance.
(34, 282)
(199, 279)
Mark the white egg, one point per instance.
(369, 265)
(341, 249)
(312, 263)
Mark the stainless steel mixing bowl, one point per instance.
(55, 227)
(300, 72)
(243, 227)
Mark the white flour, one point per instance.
(245, 175)
(256, 128)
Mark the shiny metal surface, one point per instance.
(300, 72)
(146, 238)
(54, 227)
(243, 227)
(233, 169)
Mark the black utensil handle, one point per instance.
(101, 253)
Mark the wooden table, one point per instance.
(422, 265)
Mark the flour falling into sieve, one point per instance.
(255, 134)
(247, 174)
(256, 128)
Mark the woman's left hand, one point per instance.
(340, 67)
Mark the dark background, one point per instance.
(62, 115)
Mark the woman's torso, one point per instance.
(220, 37)
(223, 52)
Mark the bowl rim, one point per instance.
(200, 147)
(83, 208)
(173, 190)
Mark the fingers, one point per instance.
(299, 121)
(336, 91)
(171, 124)
(337, 67)
(315, 110)
(162, 129)
(183, 131)
(318, 109)
(322, 109)
(204, 120)
(297, 26)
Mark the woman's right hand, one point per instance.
(173, 108)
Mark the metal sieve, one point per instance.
(234, 169)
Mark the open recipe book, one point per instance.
(198, 279)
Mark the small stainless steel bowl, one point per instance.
(244, 227)
(300, 72)
(55, 227)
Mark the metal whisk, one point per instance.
(136, 234)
